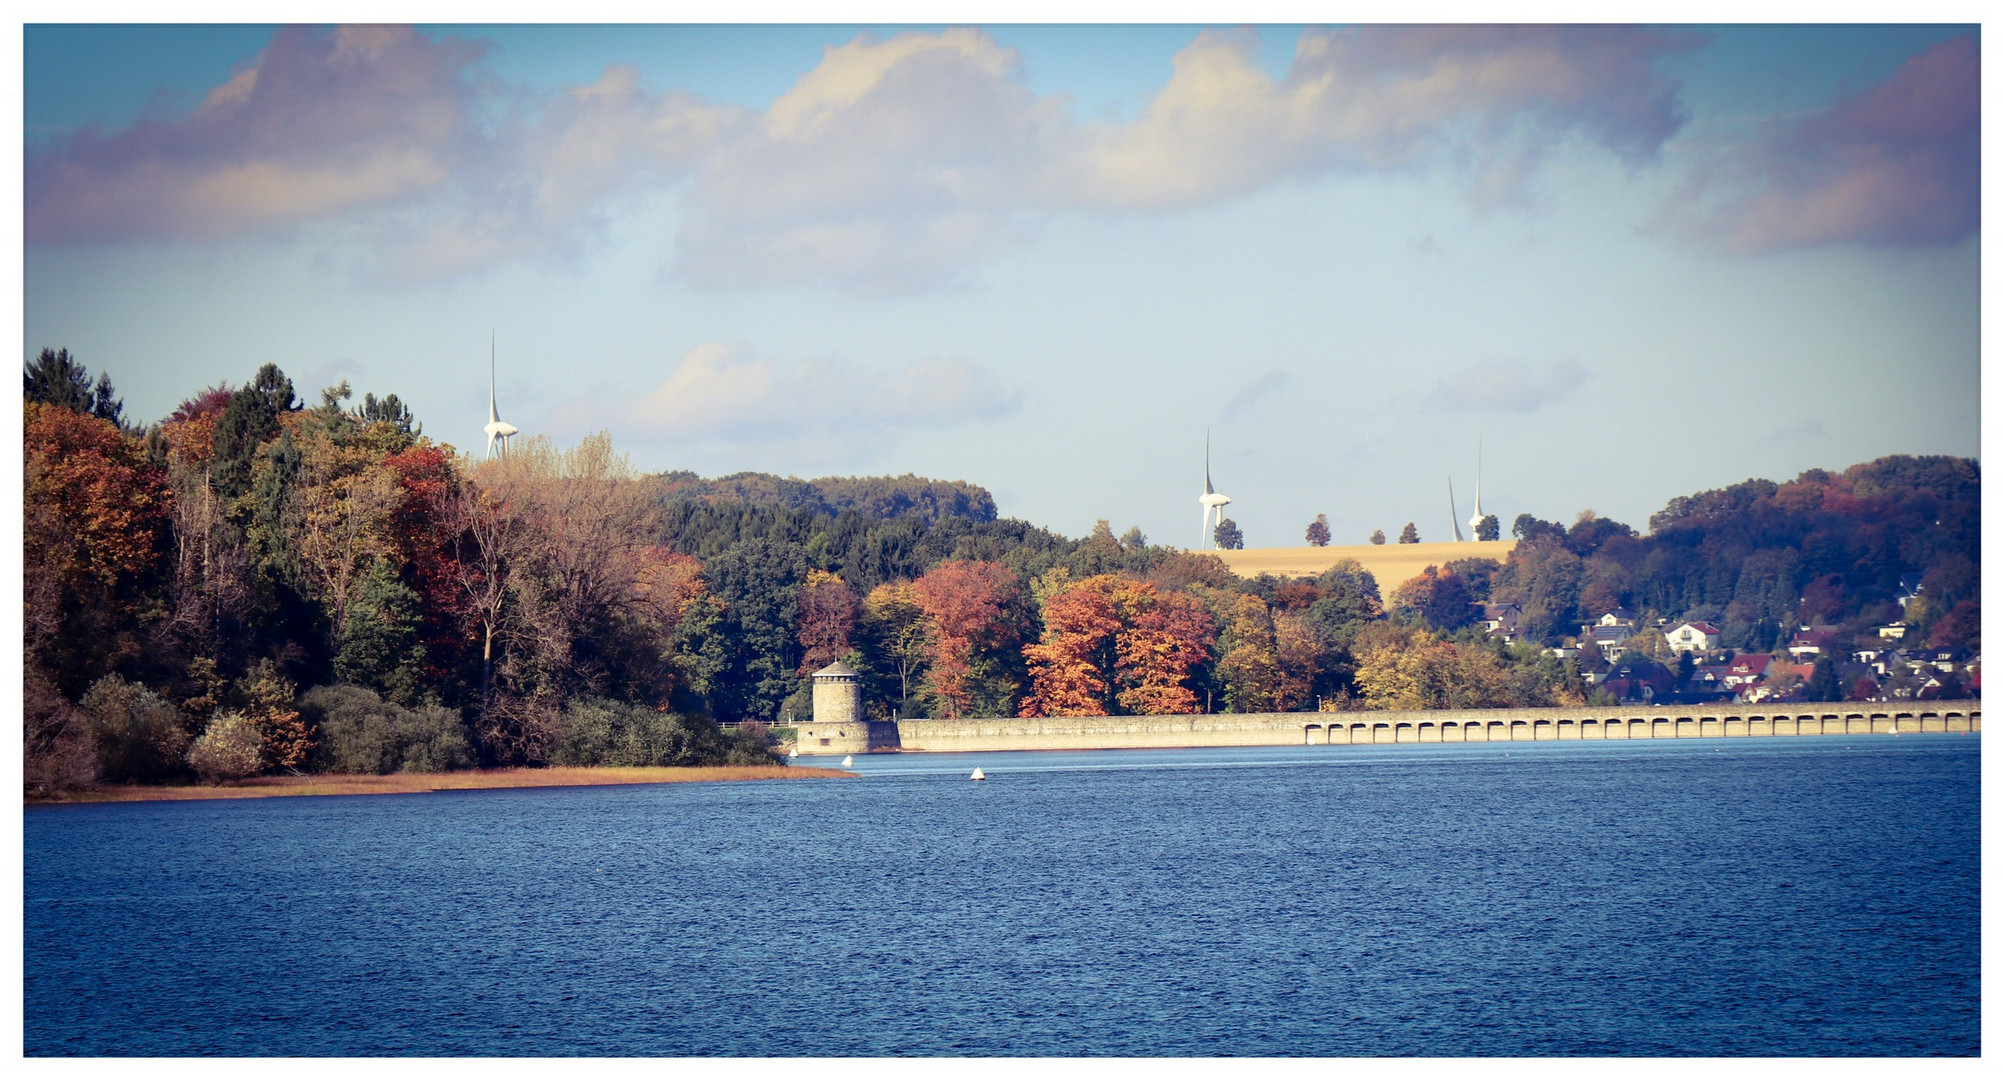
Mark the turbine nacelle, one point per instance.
(498, 431)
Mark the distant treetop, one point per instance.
(870, 496)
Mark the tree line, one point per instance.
(258, 583)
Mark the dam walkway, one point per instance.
(1783, 720)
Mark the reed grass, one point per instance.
(417, 783)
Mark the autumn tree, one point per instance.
(1114, 644)
(95, 532)
(1409, 534)
(1488, 528)
(974, 609)
(1440, 598)
(1318, 535)
(828, 612)
(894, 632)
(680, 616)
(1070, 667)
(1377, 536)
(1248, 663)
(1228, 535)
(1165, 636)
(1406, 668)
(268, 699)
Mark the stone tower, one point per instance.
(838, 726)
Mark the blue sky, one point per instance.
(1632, 262)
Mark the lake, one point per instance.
(1813, 896)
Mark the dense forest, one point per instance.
(257, 583)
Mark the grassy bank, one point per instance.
(411, 783)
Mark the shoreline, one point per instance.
(421, 783)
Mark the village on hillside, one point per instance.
(1682, 661)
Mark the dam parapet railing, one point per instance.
(1786, 719)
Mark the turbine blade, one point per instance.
(1454, 510)
(1207, 489)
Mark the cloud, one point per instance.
(321, 123)
(896, 163)
(1507, 385)
(902, 163)
(724, 395)
(444, 171)
(1253, 392)
(1377, 97)
(1897, 165)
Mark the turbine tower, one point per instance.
(1474, 523)
(1453, 510)
(498, 431)
(1211, 499)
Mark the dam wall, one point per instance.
(1789, 720)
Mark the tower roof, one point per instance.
(836, 668)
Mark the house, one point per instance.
(1942, 660)
(1811, 644)
(1642, 680)
(1746, 670)
(1693, 637)
(1892, 631)
(1501, 620)
(1619, 616)
(1610, 639)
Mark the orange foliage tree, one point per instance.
(94, 541)
(1111, 642)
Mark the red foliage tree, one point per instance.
(422, 533)
(966, 602)
(828, 611)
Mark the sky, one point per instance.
(1617, 264)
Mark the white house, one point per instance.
(1693, 637)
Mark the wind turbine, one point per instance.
(498, 430)
(1453, 510)
(1474, 522)
(1211, 499)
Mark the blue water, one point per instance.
(1699, 897)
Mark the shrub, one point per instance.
(57, 751)
(359, 732)
(601, 732)
(230, 749)
(140, 736)
(749, 745)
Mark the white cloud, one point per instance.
(900, 163)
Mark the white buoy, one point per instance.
(847, 761)
(793, 753)
(978, 775)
